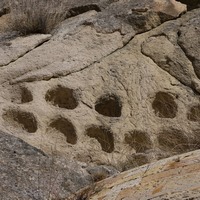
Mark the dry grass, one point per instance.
(36, 16)
(194, 113)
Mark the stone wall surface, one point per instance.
(116, 83)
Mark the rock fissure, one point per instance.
(190, 58)
(186, 85)
(47, 78)
(25, 53)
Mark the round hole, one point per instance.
(22, 119)
(104, 136)
(62, 97)
(65, 127)
(109, 105)
(164, 105)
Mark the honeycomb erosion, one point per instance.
(113, 87)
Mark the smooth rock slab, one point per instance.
(176, 178)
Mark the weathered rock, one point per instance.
(101, 172)
(186, 68)
(14, 49)
(176, 178)
(111, 85)
(136, 16)
(189, 41)
(28, 173)
(101, 98)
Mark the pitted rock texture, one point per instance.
(99, 91)
(176, 178)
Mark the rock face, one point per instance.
(102, 94)
(27, 173)
(116, 83)
(176, 178)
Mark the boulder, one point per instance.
(28, 173)
(174, 178)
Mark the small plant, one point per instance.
(36, 16)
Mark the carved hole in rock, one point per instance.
(65, 127)
(104, 136)
(26, 96)
(62, 97)
(22, 119)
(138, 140)
(109, 105)
(173, 140)
(164, 105)
(194, 113)
(22, 95)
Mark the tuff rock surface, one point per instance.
(116, 83)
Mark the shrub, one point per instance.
(36, 16)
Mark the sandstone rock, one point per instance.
(189, 41)
(100, 98)
(171, 8)
(175, 178)
(102, 93)
(137, 16)
(14, 49)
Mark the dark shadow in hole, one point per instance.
(164, 105)
(104, 136)
(194, 113)
(21, 95)
(65, 127)
(62, 97)
(109, 105)
(26, 120)
(26, 96)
